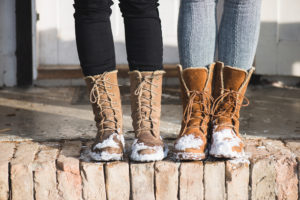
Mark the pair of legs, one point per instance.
(97, 58)
(213, 93)
(95, 40)
(236, 39)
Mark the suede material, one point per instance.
(217, 81)
(233, 78)
(196, 84)
(235, 81)
(145, 90)
(107, 107)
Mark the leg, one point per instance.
(143, 34)
(239, 32)
(94, 36)
(97, 57)
(197, 32)
(144, 51)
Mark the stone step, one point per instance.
(54, 170)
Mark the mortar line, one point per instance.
(33, 171)
(105, 180)
(154, 179)
(179, 175)
(57, 182)
(9, 173)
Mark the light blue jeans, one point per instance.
(198, 35)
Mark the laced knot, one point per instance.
(197, 108)
(145, 104)
(228, 104)
(100, 96)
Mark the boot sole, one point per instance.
(189, 156)
(104, 156)
(222, 155)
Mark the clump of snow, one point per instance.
(105, 156)
(240, 160)
(222, 143)
(87, 156)
(261, 147)
(160, 152)
(110, 142)
(188, 156)
(188, 141)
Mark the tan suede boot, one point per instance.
(230, 85)
(106, 103)
(196, 97)
(146, 89)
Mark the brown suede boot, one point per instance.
(196, 97)
(230, 85)
(106, 103)
(146, 89)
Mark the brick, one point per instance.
(117, 181)
(45, 172)
(166, 180)
(21, 171)
(237, 180)
(68, 172)
(6, 153)
(286, 178)
(273, 171)
(286, 170)
(142, 181)
(93, 182)
(191, 181)
(214, 180)
(294, 146)
(263, 180)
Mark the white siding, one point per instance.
(7, 43)
(278, 51)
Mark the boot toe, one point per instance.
(109, 149)
(146, 153)
(225, 144)
(189, 147)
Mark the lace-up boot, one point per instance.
(196, 99)
(106, 103)
(146, 89)
(230, 85)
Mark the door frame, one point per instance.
(25, 41)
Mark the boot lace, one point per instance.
(227, 105)
(204, 100)
(145, 103)
(100, 86)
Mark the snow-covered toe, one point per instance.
(226, 144)
(143, 153)
(109, 149)
(189, 147)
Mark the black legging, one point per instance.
(95, 41)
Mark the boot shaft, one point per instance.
(196, 98)
(106, 102)
(229, 87)
(146, 90)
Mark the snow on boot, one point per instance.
(106, 103)
(146, 89)
(230, 85)
(196, 99)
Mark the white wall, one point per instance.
(278, 51)
(7, 43)
(57, 39)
